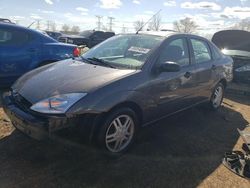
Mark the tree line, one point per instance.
(185, 25)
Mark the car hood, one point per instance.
(232, 40)
(68, 76)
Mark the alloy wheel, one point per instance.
(119, 133)
(217, 97)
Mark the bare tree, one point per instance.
(65, 28)
(75, 29)
(155, 24)
(186, 25)
(138, 25)
(243, 25)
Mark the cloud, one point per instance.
(78, 19)
(169, 3)
(35, 16)
(17, 17)
(136, 2)
(236, 12)
(149, 12)
(50, 2)
(84, 11)
(143, 17)
(46, 11)
(201, 5)
(81, 9)
(110, 4)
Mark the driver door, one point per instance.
(174, 91)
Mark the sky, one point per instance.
(209, 15)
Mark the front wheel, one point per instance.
(118, 131)
(217, 96)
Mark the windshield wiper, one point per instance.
(87, 60)
(101, 61)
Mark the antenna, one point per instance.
(147, 22)
(31, 24)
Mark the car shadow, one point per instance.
(239, 98)
(179, 151)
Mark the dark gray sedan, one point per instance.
(119, 86)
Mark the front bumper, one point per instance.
(32, 125)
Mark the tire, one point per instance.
(217, 96)
(118, 131)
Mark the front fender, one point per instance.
(106, 103)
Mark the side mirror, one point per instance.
(170, 67)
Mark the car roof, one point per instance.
(10, 24)
(14, 26)
(159, 33)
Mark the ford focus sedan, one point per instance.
(125, 83)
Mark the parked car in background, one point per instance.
(236, 43)
(54, 35)
(124, 83)
(87, 38)
(23, 49)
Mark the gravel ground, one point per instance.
(184, 150)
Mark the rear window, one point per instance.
(8, 37)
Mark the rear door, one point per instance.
(18, 51)
(204, 62)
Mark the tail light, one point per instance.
(76, 52)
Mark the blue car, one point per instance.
(23, 49)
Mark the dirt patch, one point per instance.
(181, 151)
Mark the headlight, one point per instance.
(57, 104)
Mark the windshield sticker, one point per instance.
(139, 50)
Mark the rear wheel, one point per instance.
(118, 131)
(217, 96)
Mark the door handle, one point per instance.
(187, 74)
(213, 67)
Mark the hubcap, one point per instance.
(217, 97)
(119, 133)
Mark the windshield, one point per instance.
(125, 51)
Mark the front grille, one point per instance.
(20, 101)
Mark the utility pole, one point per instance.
(99, 23)
(48, 25)
(110, 23)
(124, 29)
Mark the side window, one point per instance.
(8, 37)
(201, 51)
(5, 36)
(176, 51)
